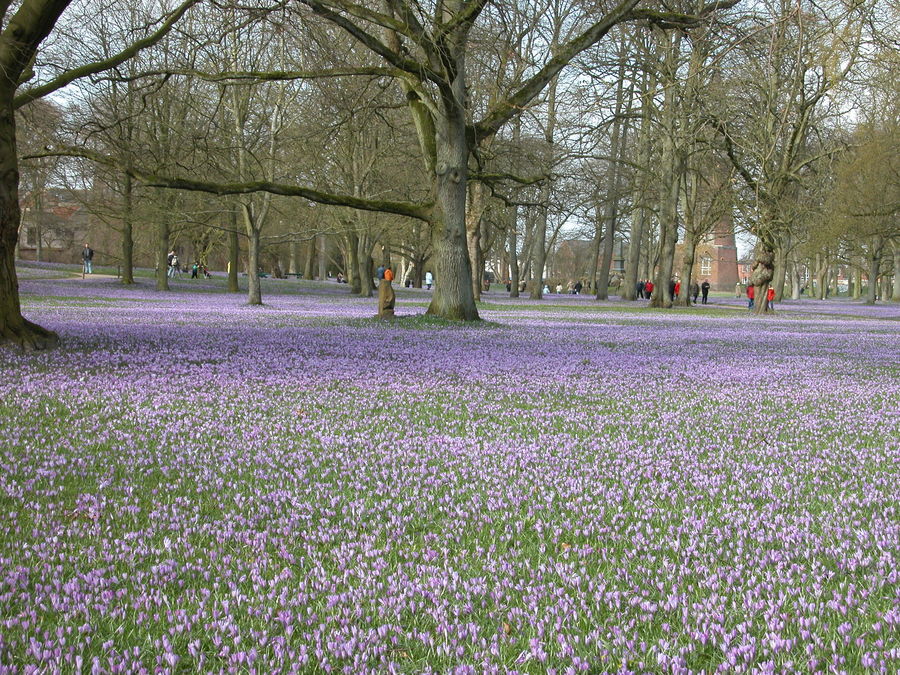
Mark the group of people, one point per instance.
(173, 267)
(644, 289)
(751, 297)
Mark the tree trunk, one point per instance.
(322, 246)
(761, 276)
(13, 326)
(780, 272)
(452, 297)
(364, 265)
(309, 262)
(254, 292)
(795, 280)
(127, 231)
(539, 258)
(233, 255)
(895, 295)
(473, 236)
(162, 252)
(670, 179)
(609, 236)
(354, 279)
(687, 266)
(874, 263)
(513, 252)
(292, 257)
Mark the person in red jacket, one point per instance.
(648, 289)
(770, 297)
(677, 290)
(750, 293)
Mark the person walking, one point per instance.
(770, 298)
(87, 259)
(639, 288)
(704, 288)
(172, 262)
(676, 290)
(429, 280)
(750, 294)
(648, 289)
(695, 291)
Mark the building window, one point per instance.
(705, 265)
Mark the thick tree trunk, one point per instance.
(14, 327)
(254, 292)
(292, 257)
(632, 268)
(795, 281)
(473, 236)
(354, 279)
(364, 265)
(539, 259)
(233, 255)
(687, 267)
(874, 263)
(127, 231)
(513, 252)
(452, 297)
(761, 276)
(609, 237)
(309, 262)
(596, 242)
(895, 295)
(322, 252)
(162, 253)
(780, 272)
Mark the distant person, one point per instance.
(750, 294)
(388, 274)
(379, 273)
(194, 269)
(648, 289)
(87, 259)
(339, 278)
(737, 290)
(639, 288)
(559, 289)
(429, 280)
(770, 298)
(704, 288)
(172, 262)
(673, 293)
(546, 290)
(578, 287)
(695, 291)
(522, 286)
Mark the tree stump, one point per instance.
(386, 299)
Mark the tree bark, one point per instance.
(364, 265)
(322, 251)
(254, 292)
(13, 326)
(895, 295)
(127, 231)
(473, 236)
(233, 255)
(292, 257)
(452, 297)
(162, 251)
(874, 263)
(513, 252)
(761, 276)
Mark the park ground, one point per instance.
(192, 484)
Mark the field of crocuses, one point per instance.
(191, 484)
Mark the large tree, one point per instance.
(25, 26)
